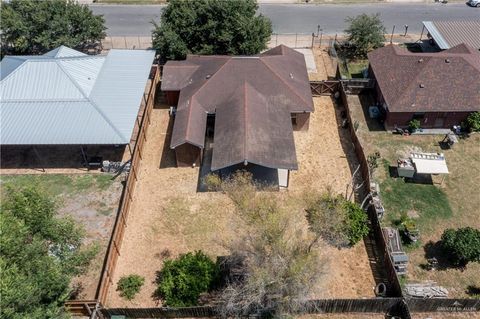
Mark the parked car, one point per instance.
(474, 3)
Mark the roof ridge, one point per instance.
(286, 83)
(16, 69)
(95, 106)
(211, 77)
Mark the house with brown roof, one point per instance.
(244, 108)
(439, 89)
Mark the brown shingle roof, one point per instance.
(448, 81)
(252, 98)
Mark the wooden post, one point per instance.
(391, 37)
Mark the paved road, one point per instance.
(128, 20)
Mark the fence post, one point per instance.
(296, 35)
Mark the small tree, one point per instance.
(463, 244)
(39, 254)
(473, 122)
(34, 27)
(365, 33)
(130, 285)
(182, 280)
(337, 220)
(211, 27)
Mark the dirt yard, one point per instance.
(168, 217)
(92, 200)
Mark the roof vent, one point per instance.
(447, 60)
(291, 75)
(208, 76)
(422, 85)
(420, 60)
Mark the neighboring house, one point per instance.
(65, 97)
(448, 34)
(249, 104)
(439, 89)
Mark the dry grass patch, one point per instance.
(168, 217)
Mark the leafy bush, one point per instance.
(337, 220)
(462, 244)
(39, 255)
(357, 222)
(130, 285)
(413, 125)
(182, 280)
(211, 27)
(364, 34)
(473, 122)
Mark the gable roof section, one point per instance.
(428, 82)
(206, 82)
(67, 97)
(250, 127)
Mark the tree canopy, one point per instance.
(365, 33)
(37, 26)
(182, 280)
(211, 27)
(39, 254)
(462, 244)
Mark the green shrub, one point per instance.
(337, 220)
(182, 280)
(130, 285)
(473, 122)
(357, 222)
(413, 125)
(462, 244)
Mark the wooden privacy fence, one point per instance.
(375, 305)
(115, 244)
(398, 307)
(393, 286)
(319, 88)
(85, 308)
(162, 312)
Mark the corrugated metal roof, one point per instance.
(436, 35)
(448, 34)
(60, 98)
(63, 52)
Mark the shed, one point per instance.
(429, 163)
